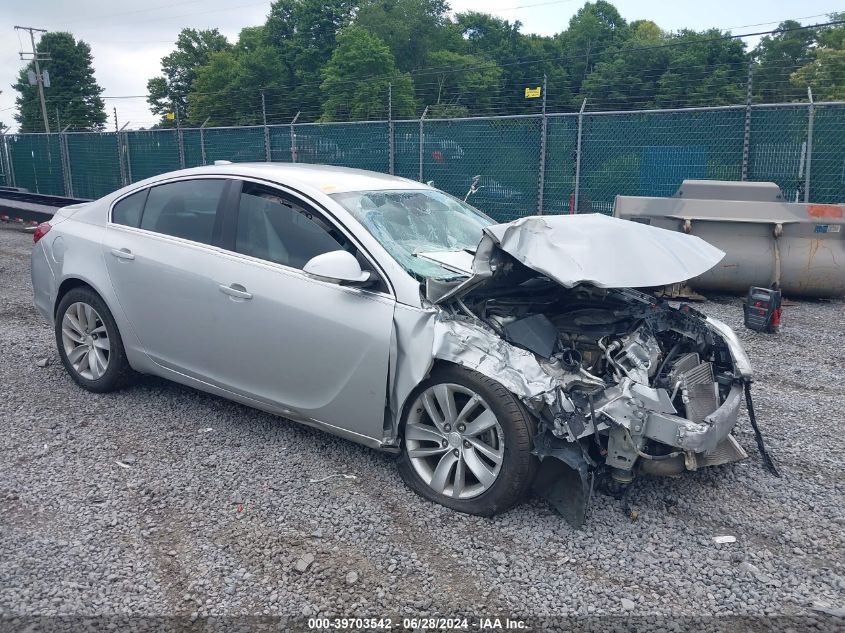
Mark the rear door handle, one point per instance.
(122, 253)
(235, 290)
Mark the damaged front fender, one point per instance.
(465, 343)
(420, 337)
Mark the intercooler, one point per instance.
(698, 386)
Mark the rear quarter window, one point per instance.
(128, 211)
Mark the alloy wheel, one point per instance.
(454, 441)
(85, 340)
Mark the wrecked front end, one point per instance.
(637, 385)
(620, 383)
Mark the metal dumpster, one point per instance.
(766, 239)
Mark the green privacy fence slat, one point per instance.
(504, 152)
(152, 152)
(193, 148)
(280, 144)
(647, 153)
(651, 153)
(828, 170)
(778, 143)
(239, 145)
(561, 138)
(360, 145)
(99, 156)
(37, 163)
(406, 148)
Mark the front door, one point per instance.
(315, 347)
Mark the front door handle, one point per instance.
(122, 253)
(235, 290)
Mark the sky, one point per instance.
(128, 39)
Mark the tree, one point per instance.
(777, 57)
(632, 75)
(73, 93)
(704, 68)
(193, 49)
(825, 74)
(227, 90)
(356, 79)
(655, 69)
(461, 84)
(304, 33)
(501, 41)
(594, 33)
(411, 28)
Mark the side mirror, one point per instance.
(338, 266)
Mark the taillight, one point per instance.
(40, 231)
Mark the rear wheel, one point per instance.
(89, 343)
(467, 443)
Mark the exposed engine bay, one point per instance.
(644, 385)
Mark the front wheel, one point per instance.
(467, 443)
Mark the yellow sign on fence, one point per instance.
(533, 93)
(170, 116)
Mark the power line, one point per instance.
(577, 56)
(502, 99)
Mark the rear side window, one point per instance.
(128, 211)
(186, 209)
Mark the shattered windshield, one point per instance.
(412, 223)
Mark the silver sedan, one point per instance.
(489, 357)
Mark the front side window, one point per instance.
(186, 209)
(275, 229)
(411, 223)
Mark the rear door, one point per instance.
(162, 255)
(313, 347)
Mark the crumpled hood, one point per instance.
(593, 249)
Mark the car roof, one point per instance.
(325, 178)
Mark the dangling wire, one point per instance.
(767, 460)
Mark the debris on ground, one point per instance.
(319, 481)
(305, 561)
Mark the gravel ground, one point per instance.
(161, 500)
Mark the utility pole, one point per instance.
(38, 77)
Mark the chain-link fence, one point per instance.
(558, 163)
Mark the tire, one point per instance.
(422, 463)
(76, 340)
